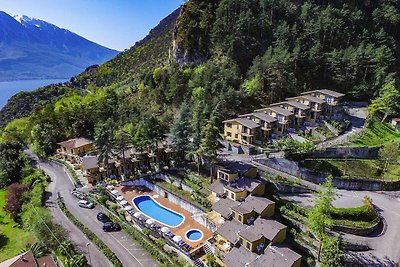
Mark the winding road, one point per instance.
(129, 253)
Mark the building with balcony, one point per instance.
(331, 98)
(241, 130)
(74, 148)
(267, 124)
(299, 110)
(315, 104)
(277, 118)
(283, 117)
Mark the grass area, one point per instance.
(377, 134)
(354, 168)
(359, 218)
(12, 238)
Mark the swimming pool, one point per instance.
(151, 208)
(194, 235)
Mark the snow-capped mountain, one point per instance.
(35, 49)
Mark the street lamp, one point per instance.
(90, 261)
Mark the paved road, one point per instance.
(129, 253)
(384, 242)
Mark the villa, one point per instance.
(278, 118)
(236, 181)
(80, 151)
(73, 149)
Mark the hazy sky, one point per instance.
(117, 24)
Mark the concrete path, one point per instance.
(357, 115)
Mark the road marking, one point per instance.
(127, 250)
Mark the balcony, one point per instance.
(245, 133)
(284, 122)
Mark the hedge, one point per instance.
(91, 236)
(70, 170)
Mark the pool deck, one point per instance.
(131, 192)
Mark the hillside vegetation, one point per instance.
(225, 57)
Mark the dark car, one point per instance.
(103, 218)
(111, 227)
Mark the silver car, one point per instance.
(85, 204)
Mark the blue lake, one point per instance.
(8, 89)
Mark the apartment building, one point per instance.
(277, 118)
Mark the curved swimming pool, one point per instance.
(154, 210)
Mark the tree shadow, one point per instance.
(3, 240)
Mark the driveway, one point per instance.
(129, 253)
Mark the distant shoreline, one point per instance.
(11, 88)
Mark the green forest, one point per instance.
(238, 55)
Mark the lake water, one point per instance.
(8, 89)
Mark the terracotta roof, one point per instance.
(27, 259)
(325, 92)
(46, 261)
(396, 119)
(260, 115)
(76, 143)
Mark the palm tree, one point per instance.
(37, 249)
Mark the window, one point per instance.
(233, 214)
(221, 175)
(248, 245)
(229, 125)
(240, 218)
(236, 135)
(232, 196)
(229, 134)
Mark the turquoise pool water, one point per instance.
(151, 208)
(194, 235)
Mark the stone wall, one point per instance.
(291, 167)
(349, 152)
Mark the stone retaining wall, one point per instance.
(349, 152)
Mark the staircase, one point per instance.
(198, 263)
(207, 249)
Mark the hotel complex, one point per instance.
(277, 118)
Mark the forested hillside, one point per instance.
(225, 57)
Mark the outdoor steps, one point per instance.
(198, 263)
(207, 249)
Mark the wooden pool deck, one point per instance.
(189, 223)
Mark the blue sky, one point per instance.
(117, 24)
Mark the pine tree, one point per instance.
(182, 130)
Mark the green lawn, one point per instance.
(360, 168)
(12, 238)
(377, 134)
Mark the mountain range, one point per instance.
(35, 49)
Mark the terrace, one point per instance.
(174, 232)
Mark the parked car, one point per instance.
(79, 195)
(111, 227)
(85, 204)
(103, 218)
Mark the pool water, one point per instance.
(194, 235)
(152, 209)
